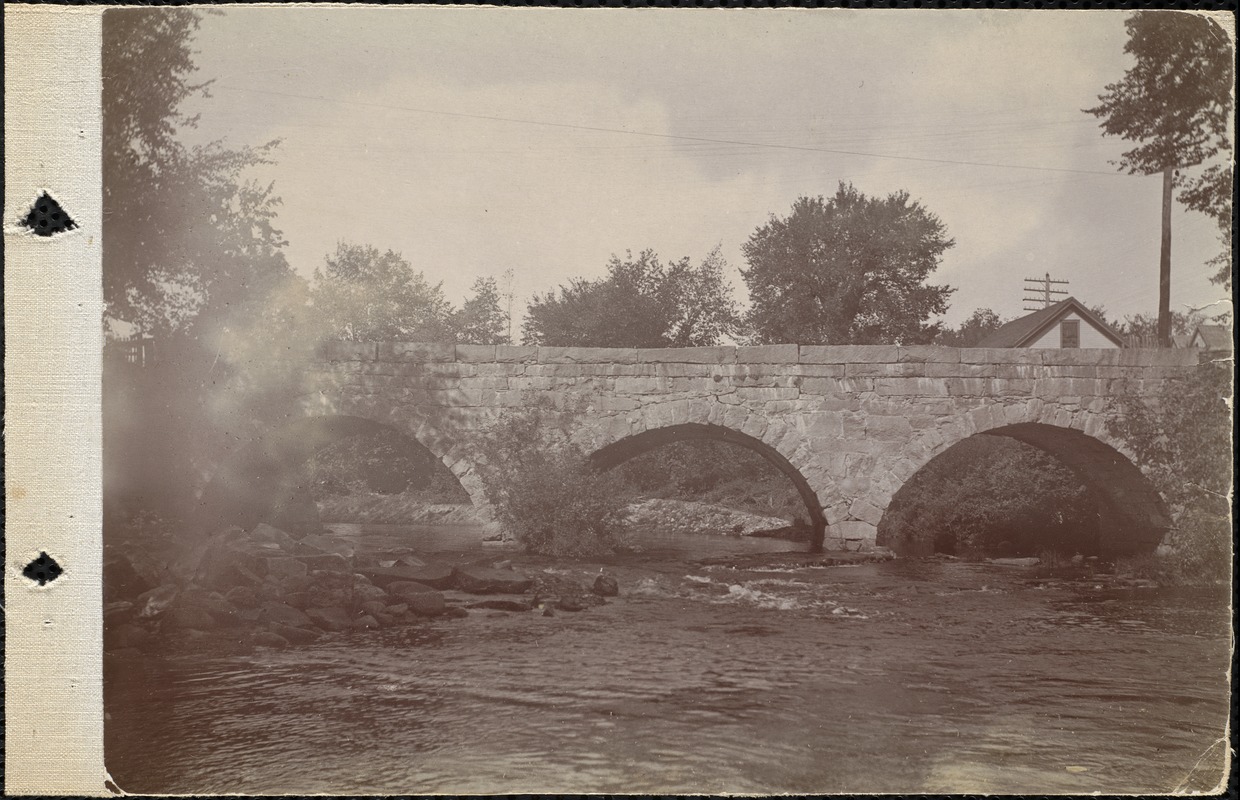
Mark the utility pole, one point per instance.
(1164, 263)
(1046, 291)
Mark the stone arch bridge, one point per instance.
(847, 424)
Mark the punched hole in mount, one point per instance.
(47, 218)
(43, 569)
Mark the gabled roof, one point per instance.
(1025, 330)
(1212, 337)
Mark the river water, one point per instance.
(902, 676)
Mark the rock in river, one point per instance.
(330, 619)
(420, 598)
(481, 580)
(606, 586)
(282, 614)
(434, 575)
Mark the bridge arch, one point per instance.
(248, 485)
(1132, 515)
(618, 452)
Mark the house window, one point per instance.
(1070, 333)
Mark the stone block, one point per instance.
(822, 386)
(862, 369)
(865, 511)
(347, 351)
(705, 371)
(1136, 357)
(516, 354)
(911, 387)
(855, 531)
(475, 353)
(587, 355)
(755, 425)
(765, 393)
(888, 428)
(817, 370)
(639, 385)
(968, 387)
(849, 353)
(1000, 355)
(1081, 356)
(958, 370)
(768, 354)
(820, 424)
(687, 355)
(1052, 388)
(421, 352)
(1011, 387)
(928, 353)
(1019, 371)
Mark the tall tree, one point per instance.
(1175, 102)
(191, 257)
(481, 319)
(364, 295)
(187, 241)
(850, 269)
(640, 303)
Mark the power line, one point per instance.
(672, 136)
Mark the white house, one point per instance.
(1064, 324)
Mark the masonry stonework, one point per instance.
(855, 422)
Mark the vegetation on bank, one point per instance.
(543, 489)
(1182, 439)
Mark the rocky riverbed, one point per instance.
(267, 587)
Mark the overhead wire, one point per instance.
(668, 136)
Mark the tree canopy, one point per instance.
(1175, 102)
(481, 319)
(850, 269)
(981, 323)
(365, 295)
(640, 303)
(188, 242)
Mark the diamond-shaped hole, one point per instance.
(43, 569)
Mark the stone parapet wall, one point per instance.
(759, 354)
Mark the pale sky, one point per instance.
(475, 140)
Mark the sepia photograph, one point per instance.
(655, 401)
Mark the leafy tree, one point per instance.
(846, 270)
(641, 303)
(545, 492)
(187, 243)
(192, 257)
(365, 295)
(977, 327)
(1145, 325)
(1183, 441)
(1175, 102)
(991, 494)
(481, 319)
